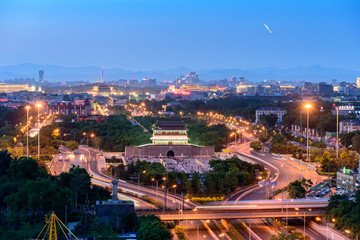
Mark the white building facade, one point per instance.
(280, 112)
(349, 125)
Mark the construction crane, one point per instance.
(51, 232)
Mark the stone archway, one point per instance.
(170, 153)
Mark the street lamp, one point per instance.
(307, 106)
(304, 219)
(143, 172)
(38, 106)
(327, 227)
(165, 195)
(27, 130)
(157, 186)
(174, 187)
(92, 135)
(87, 138)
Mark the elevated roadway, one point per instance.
(93, 161)
(237, 215)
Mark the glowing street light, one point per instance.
(27, 130)
(143, 172)
(307, 106)
(39, 107)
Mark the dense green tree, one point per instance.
(297, 189)
(195, 183)
(279, 138)
(28, 192)
(346, 212)
(180, 232)
(151, 228)
(5, 161)
(282, 236)
(26, 169)
(129, 222)
(78, 180)
(269, 120)
(256, 145)
(72, 145)
(39, 195)
(355, 142)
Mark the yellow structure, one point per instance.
(103, 89)
(358, 82)
(198, 88)
(10, 88)
(50, 227)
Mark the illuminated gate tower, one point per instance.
(169, 133)
(169, 140)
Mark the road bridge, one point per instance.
(234, 215)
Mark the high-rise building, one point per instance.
(133, 83)
(325, 89)
(192, 78)
(102, 75)
(41, 76)
(358, 82)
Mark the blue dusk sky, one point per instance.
(161, 34)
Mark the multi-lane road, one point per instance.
(93, 161)
(280, 170)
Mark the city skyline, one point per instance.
(144, 35)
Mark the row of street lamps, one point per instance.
(38, 105)
(308, 106)
(27, 129)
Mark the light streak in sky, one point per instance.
(267, 28)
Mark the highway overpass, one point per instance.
(249, 209)
(235, 215)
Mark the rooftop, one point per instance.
(169, 125)
(353, 121)
(270, 108)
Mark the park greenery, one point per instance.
(322, 119)
(293, 235)
(13, 139)
(148, 228)
(232, 105)
(28, 192)
(345, 213)
(351, 140)
(199, 132)
(225, 177)
(298, 188)
(268, 120)
(327, 159)
(256, 145)
(114, 135)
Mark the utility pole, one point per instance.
(27, 131)
(301, 113)
(165, 195)
(38, 106)
(308, 106)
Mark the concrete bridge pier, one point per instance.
(226, 223)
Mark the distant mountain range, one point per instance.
(314, 73)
